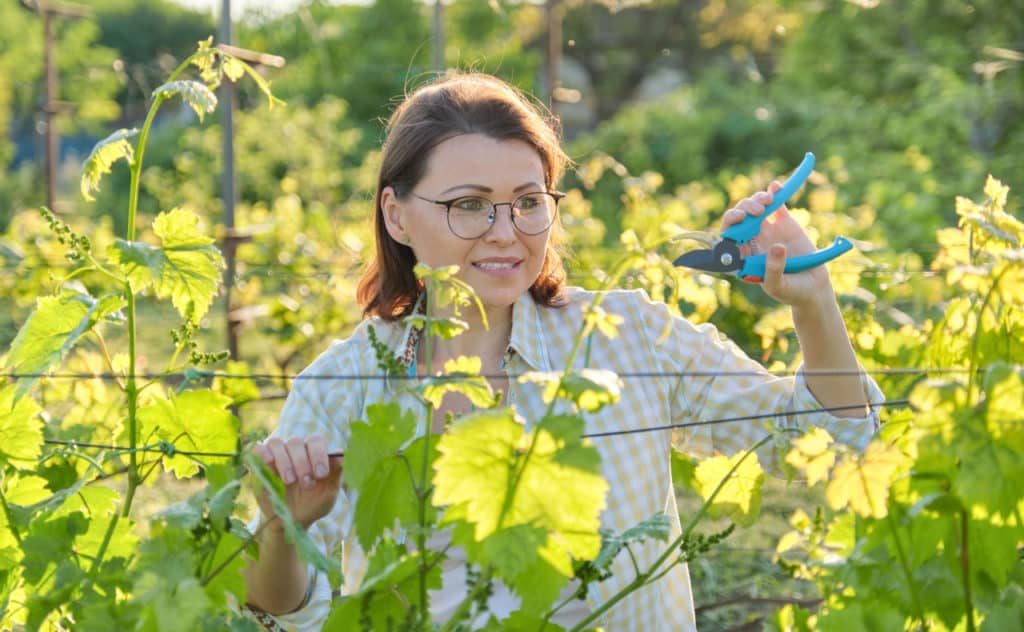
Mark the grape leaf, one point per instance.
(862, 481)
(812, 455)
(57, 323)
(199, 97)
(102, 157)
(491, 480)
(740, 496)
(389, 594)
(461, 375)
(192, 421)
(21, 430)
(186, 267)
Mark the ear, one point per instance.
(391, 210)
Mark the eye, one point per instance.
(471, 204)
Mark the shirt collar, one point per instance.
(528, 338)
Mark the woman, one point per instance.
(468, 177)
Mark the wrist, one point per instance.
(818, 305)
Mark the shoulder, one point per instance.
(629, 304)
(356, 352)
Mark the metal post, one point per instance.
(49, 11)
(227, 126)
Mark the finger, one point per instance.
(296, 447)
(751, 206)
(282, 462)
(733, 216)
(774, 186)
(316, 448)
(764, 198)
(263, 454)
(774, 269)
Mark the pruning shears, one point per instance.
(723, 253)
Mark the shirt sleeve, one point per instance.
(730, 399)
(316, 405)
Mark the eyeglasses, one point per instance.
(471, 216)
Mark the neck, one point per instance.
(489, 344)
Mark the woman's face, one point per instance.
(502, 263)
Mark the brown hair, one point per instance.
(451, 106)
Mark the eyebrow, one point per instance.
(529, 186)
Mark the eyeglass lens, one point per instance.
(532, 213)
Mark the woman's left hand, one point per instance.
(781, 237)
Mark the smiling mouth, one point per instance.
(496, 265)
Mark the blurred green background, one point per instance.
(672, 110)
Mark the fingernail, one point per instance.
(321, 470)
(288, 477)
(307, 481)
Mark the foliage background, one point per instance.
(683, 107)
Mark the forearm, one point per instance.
(830, 364)
(276, 582)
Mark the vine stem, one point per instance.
(965, 566)
(904, 562)
(131, 387)
(467, 603)
(977, 330)
(642, 579)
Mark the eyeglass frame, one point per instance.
(447, 204)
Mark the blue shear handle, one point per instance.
(753, 266)
(746, 230)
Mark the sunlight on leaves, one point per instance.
(102, 157)
(589, 389)
(21, 429)
(199, 97)
(740, 497)
(862, 480)
(186, 266)
(461, 375)
(490, 478)
(812, 455)
(52, 330)
(192, 421)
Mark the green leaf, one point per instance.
(812, 455)
(684, 469)
(862, 480)
(103, 156)
(267, 480)
(240, 387)
(195, 93)
(497, 479)
(656, 527)
(991, 472)
(790, 618)
(186, 267)
(387, 498)
(21, 429)
(192, 421)
(589, 389)
(740, 496)
(51, 331)
(50, 541)
(386, 430)
(461, 375)
(389, 594)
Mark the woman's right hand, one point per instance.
(311, 478)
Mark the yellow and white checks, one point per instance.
(651, 341)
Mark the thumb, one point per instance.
(774, 269)
(335, 463)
